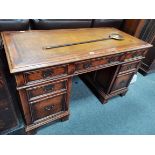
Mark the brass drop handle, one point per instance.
(49, 108)
(48, 88)
(87, 65)
(111, 60)
(135, 54)
(122, 83)
(47, 73)
(129, 67)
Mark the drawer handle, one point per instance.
(122, 83)
(47, 73)
(135, 55)
(110, 60)
(49, 108)
(129, 67)
(48, 88)
(87, 65)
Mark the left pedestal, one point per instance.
(44, 98)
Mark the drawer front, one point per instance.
(48, 107)
(48, 88)
(80, 66)
(45, 73)
(122, 81)
(134, 54)
(105, 60)
(98, 62)
(129, 66)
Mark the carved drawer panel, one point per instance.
(107, 60)
(98, 62)
(80, 66)
(45, 89)
(52, 72)
(122, 81)
(129, 66)
(48, 107)
(134, 54)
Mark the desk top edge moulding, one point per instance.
(24, 49)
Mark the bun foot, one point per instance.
(123, 94)
(31, 132)
(65, 118)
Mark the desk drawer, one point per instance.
(129, 66)
(98, 62)
(134, 54)
(122, 81)
(45, 73)
(48, 107)
(45, 89)
(105, 60)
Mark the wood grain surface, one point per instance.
(24, 49)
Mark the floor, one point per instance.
(132, 114)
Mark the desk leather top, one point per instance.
(24, 49)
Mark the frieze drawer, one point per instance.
(48, 107)
(134, 55)
(98, 62)
(52, 72)
(46, 89)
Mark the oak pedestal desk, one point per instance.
(44, 76)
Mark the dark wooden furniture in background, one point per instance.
(134, 26)
(145, 30)
(148, 34)
(44, 77)
(8, 117)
